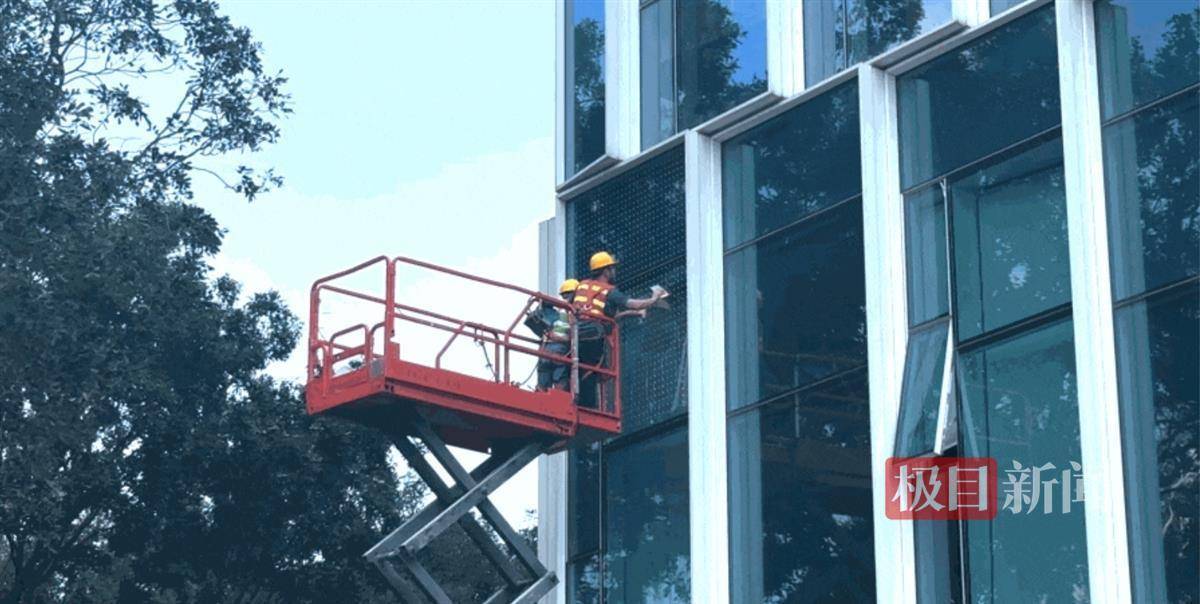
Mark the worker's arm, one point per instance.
(644, 303)
(630, 313)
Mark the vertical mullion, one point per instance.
(553, 520)
(707, 462)
(561, 62)
(971, 12)
(785, 47)
(622, 79)
(887, 318)
(1091, 300)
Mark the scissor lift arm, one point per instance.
(452, 505)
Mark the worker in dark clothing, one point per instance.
(599, 296)
(557, 340)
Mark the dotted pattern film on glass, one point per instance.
(639, 217)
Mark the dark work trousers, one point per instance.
(592, 348)
(551, 373)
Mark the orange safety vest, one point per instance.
(590, 297)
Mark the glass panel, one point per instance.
(585, 122)
(800, 498)
(584, 500)
(1146, 50)
(583, 581)
(792, 165)
(654, 352)
(794, 306)
(647, 545)
(978, 99)
(1019, 405)
(637, 216)
(840, 33)
(824, 39)
(999, 6)
(1157, 357)
(924, 367)
(1010, 240)
(722, 56)
(939, 563)
(658, 72)
(925, 246)
(1151, 172)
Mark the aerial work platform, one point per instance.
(397, 367)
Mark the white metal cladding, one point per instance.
(785, 47)
(560, 92)
(1091, 304)
(887, 318)
(622, 69)
(708, 500)
(552, 469)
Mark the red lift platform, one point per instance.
(367, 372)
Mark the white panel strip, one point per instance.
(622, 79)
(785, 47)
(887, 322)
(560, 91)
(1091, 300)
(552, 469)
(971, 12)
(708, 496)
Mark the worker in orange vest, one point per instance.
(598, 296)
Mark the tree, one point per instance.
(144, 454)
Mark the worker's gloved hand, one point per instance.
(658, 292)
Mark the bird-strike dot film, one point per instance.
(639, 217)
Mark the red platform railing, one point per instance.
(375, 356)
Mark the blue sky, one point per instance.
(421, 128)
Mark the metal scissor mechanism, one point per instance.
(452, 505)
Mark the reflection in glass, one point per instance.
(657, 72)
(921, 393)
(722, 56)
(939, 563)
(584, 499)
(585, 110)
(1151, 169)
(1010, 240)
(647, 544)
(978, 99)
(999, 6)
(794, 306)
(925, 248)
(800, 498)
(1146, 50)
(806, 159)
(1019, 404)
(840, 33)
(583, 581)
(1157, 360)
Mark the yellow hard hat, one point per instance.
(568, 286)
(601, 260)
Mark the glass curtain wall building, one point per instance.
(887, 234)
